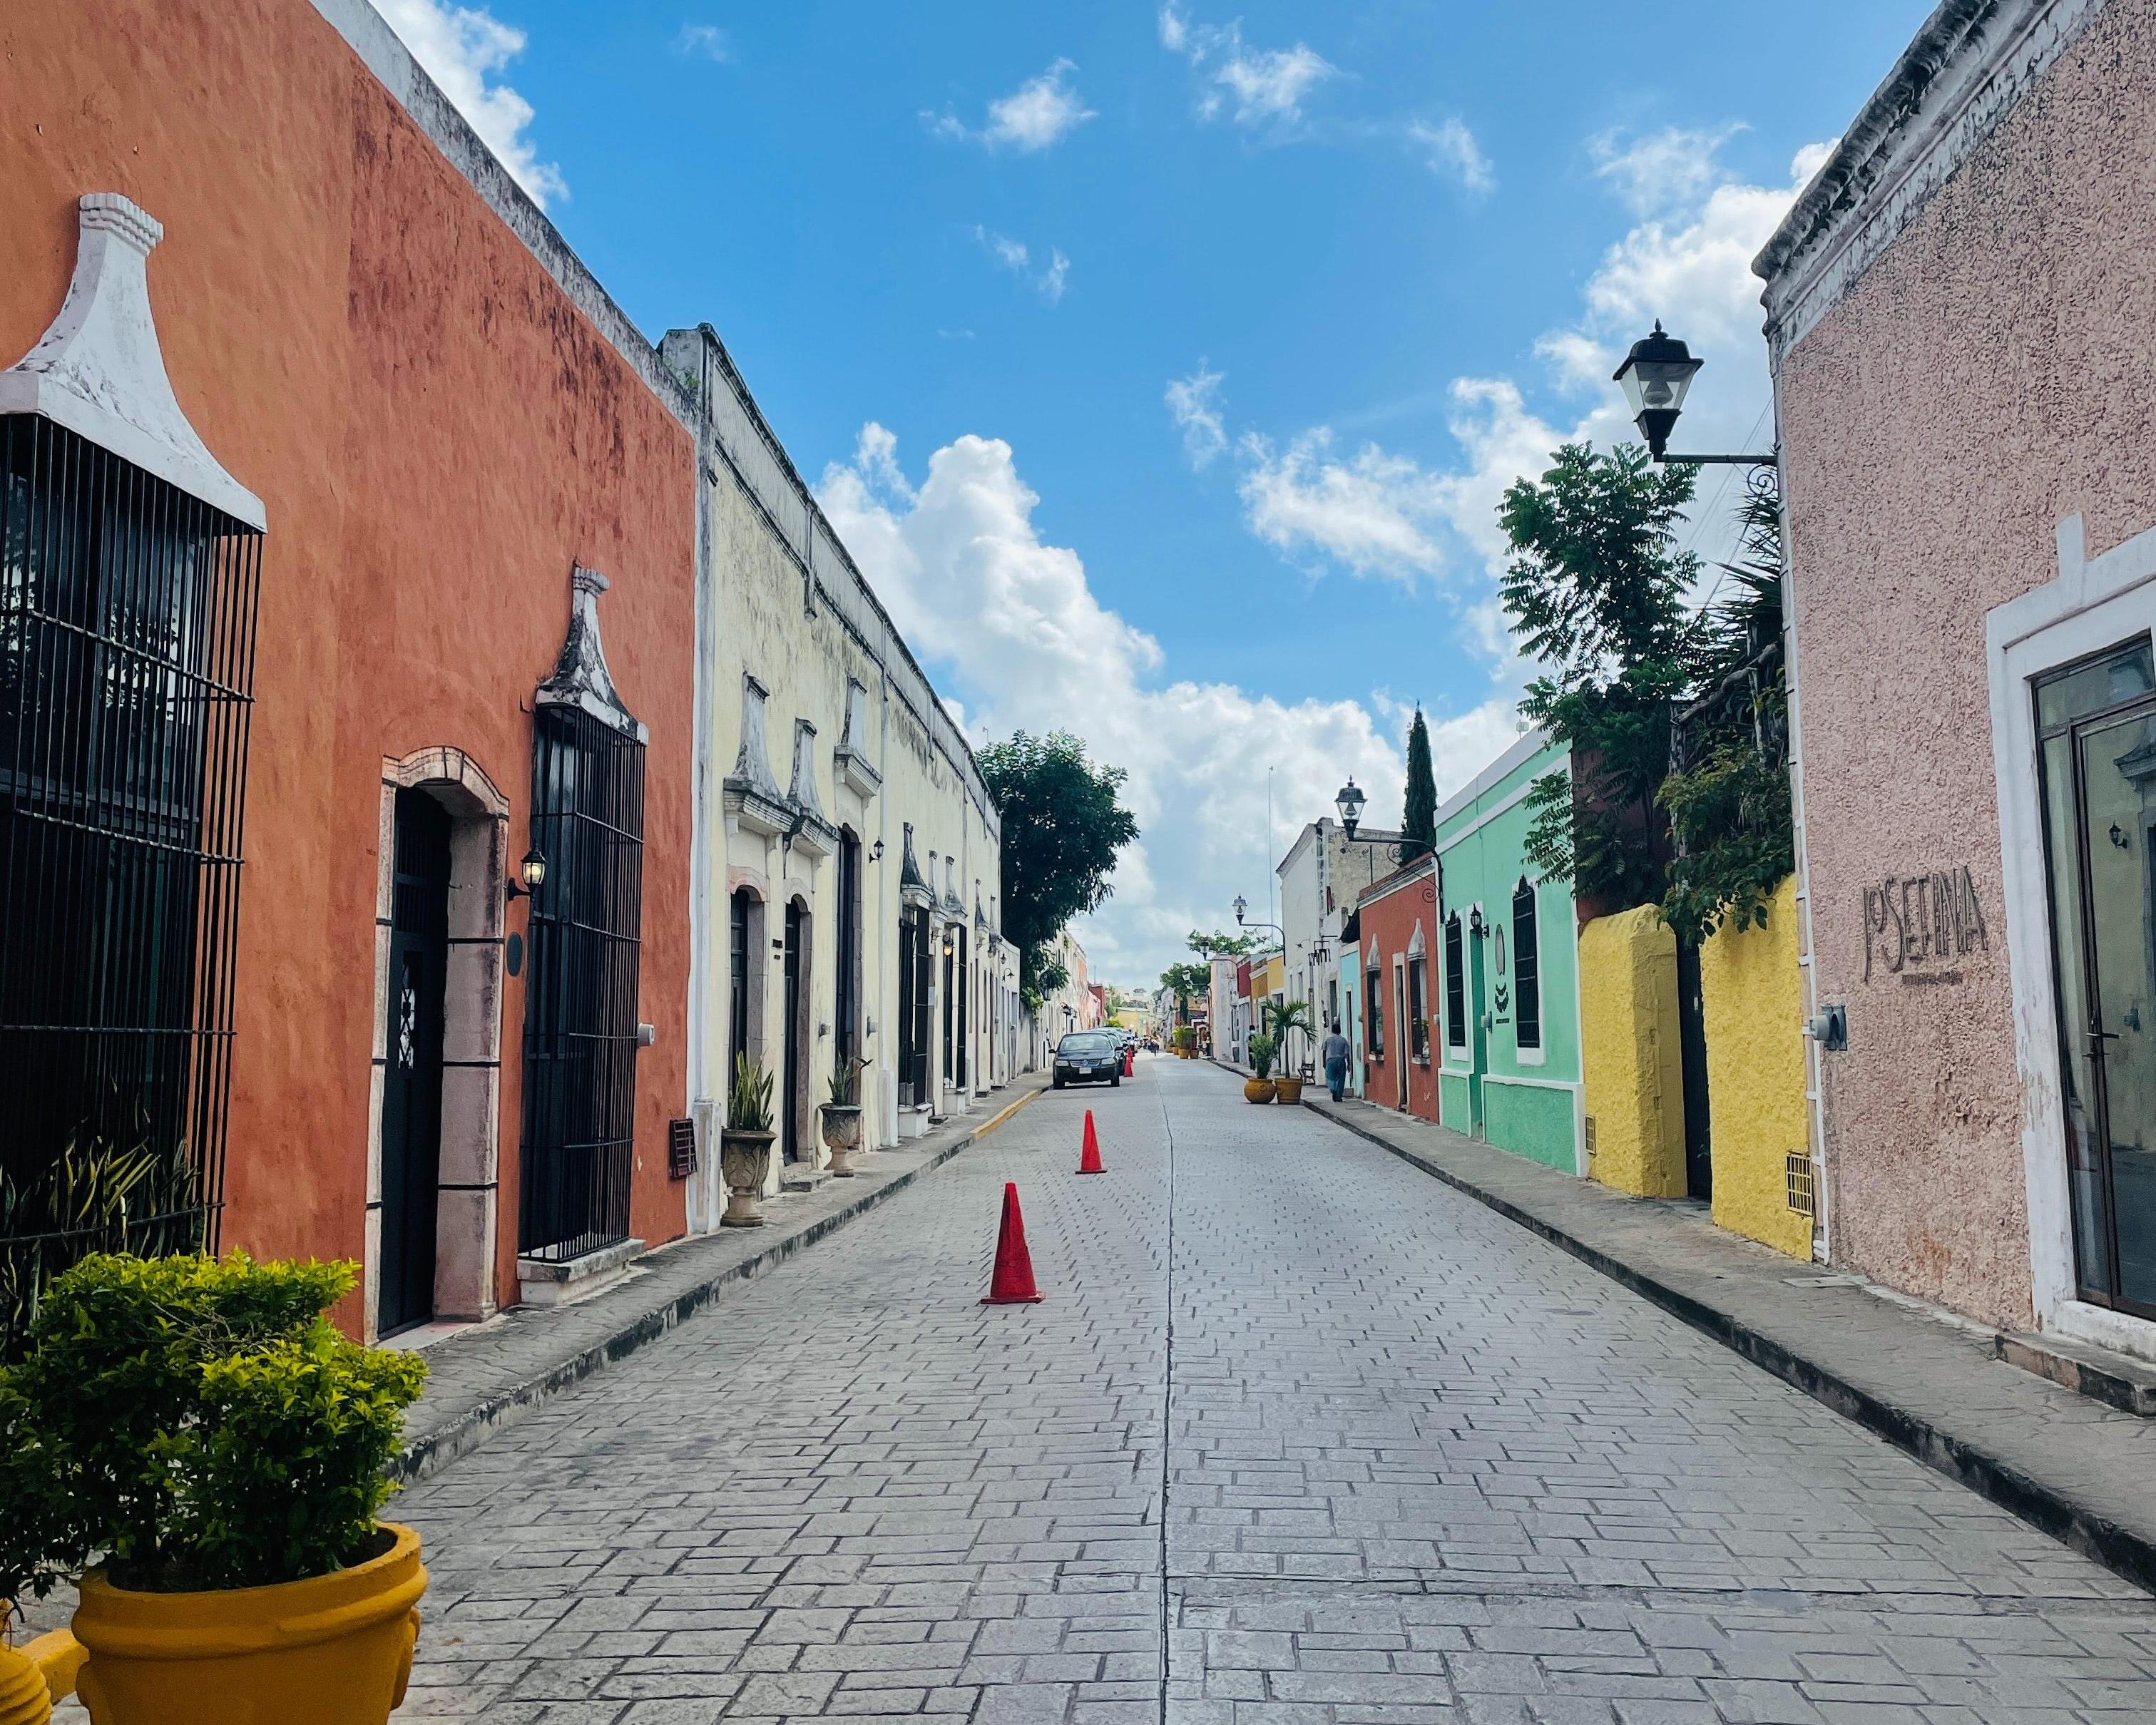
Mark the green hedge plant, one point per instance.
(1261, 1048)
(198, 1423)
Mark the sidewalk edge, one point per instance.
(2122, 1550)
(428, 1453)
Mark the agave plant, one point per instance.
(749, 1109)
(844, 1083)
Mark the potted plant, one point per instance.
(1183, 1040)
(842, 1119)
(745, 1143)
(198, 1426)
(1284, 1016)
(1260, 1089)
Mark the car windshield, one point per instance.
(1090, 1044)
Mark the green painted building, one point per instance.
(1506, 1017)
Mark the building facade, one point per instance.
(1398, 972)
(1510, 1071)
(532, 666)
(1958, 315)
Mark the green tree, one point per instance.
(1596, 592)
(1728, 791)
(1220, 944)
(1062, 826)
(1186, 982)
(1418, 819)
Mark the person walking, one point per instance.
(1335, 1056)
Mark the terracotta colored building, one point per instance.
(400, 565)
(1400, 965)
(1961, 309)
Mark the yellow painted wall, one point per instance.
(1630, 1056)
(1753, 996)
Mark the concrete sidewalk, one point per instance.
(482, 1379)
(1931, 1384)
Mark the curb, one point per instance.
(2122, 1550)
(428, 1454)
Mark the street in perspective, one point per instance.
(1142, 864)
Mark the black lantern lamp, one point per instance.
(1349, 803)
(532, 873)
(1656, 375)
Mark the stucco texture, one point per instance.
(1752, 997)
(437, 434)
(1631, 1056)
(1987, 376)
(1391, 916)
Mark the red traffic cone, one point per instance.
(1012, 1283)
(1089, 1158)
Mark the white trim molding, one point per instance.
(98, 370)
(2091, 606)
(1970, 64)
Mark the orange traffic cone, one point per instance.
(1012, 1283)
(1089, 1158)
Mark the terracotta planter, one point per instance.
(842, 1136)
(1289, 1089)
(342, 1640)
(744, 1160)
(1257, 1090)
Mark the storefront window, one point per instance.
(2096, 739)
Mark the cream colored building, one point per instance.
(844, 895)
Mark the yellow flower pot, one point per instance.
(1257, 1090)
(335, 1650)
(24, 1698)
(1290, 1091)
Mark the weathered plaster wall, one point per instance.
(1752, 992)
(1632, 1058)
(1986, 377)
(438, 433)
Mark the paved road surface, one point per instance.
(1420, 1466)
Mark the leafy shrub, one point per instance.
(198, 1423)
(1261, 1048)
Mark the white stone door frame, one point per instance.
(2091, 606)
(469, 1184)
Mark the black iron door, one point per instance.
(412, 1087)
(797, 1051)
(1691, 1044)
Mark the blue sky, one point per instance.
(1163, 366)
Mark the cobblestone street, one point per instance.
(1418, 1464)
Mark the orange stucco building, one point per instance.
(442, 416)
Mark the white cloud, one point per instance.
(1040, 112)
(706, 41)
(1027, 643)
(462, 49)
(1017, 256)
(1665, 170)
(1451, 149)
(1375, 511)
(1268, 85)
(1194, 403)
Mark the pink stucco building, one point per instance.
(1962, 314)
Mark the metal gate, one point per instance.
(580, 997)
(127, 618)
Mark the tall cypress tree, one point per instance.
(1419, 825)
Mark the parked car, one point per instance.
(1088, 1057)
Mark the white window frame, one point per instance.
(2091, 607)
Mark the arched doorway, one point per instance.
(795, 1143)
(433, 1156)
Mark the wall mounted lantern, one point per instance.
(532, 874)
(1656, 375)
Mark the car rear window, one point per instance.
(1091, 1043)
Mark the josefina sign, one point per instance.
(1913, 922)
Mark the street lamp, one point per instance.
(1349, 803)
(1656, 375)
(533, 872)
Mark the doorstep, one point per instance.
(492, 1375)
(1934, 1384)
(2125, 1383)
